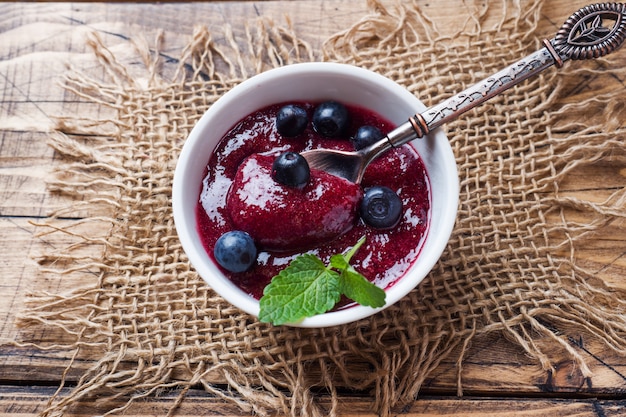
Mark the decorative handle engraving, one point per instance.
(486, 89)
(591, 32)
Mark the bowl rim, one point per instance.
(229, 291)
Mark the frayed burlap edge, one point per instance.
(487, 280)
(563, 140)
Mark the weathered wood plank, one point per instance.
(28, 401)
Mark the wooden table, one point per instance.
(36, 42)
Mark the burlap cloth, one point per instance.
(155, 325)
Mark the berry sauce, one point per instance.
(281, 217)
(386, 254)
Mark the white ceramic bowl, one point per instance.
(313, 82)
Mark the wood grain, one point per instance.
(37, 43)
(27, 401)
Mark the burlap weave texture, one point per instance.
(157, 325)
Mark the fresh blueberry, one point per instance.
(291, 120)
(366, 136)
(330, 119)
(381, 207)
(235, 251)
(291, 169)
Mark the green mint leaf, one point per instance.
(303, 289)
(354, 285)
(357, 288)
(308, 287)
(341, 262)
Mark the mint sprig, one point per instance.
(308, 287)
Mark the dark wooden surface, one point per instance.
(38, 40)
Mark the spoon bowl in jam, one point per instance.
(223, 182)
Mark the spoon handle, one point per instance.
(591, 32)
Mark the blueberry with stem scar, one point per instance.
(381, 207)
(235, 251)
(330, 119)
(365, 136)
(291, 120)
(291, 169)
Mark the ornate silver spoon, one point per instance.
(583, 36)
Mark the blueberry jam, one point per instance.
(283, 218)
(320, 218)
